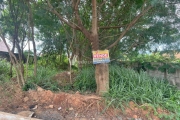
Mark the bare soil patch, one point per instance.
(48, 105)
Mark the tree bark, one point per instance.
(31, 23)
(101, 70)
(16, 64)
(102, 78)
(13, 47)
(79, 59)
(34, 51)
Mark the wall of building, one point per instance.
(173, 78)
(5, 55)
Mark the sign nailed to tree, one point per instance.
(101, 56)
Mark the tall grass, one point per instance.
(43, 79)
(127, 85)
(4, 70)
(85, 80)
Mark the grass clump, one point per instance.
(127, 85)
(85, 80)
(4, 70)
(43, 79)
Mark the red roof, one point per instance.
(3, 47)
(177, 55)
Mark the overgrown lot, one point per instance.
(126, 86)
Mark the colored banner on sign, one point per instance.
(101, 56)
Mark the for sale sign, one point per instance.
(101, 56)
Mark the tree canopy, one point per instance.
(125, 23)
(76, 27)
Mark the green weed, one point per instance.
(127, 85)
(4, 70)
(85, 80)
(43, 79)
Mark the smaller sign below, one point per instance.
(101, 56)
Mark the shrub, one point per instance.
(4, 70)
(85, 80)
(43, 79)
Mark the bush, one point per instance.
(4, 70)
(43, 79)
(85, 80)
(54, 61)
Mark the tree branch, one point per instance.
(77, 14)
(94, 17)
(72, 25)
(132, 23)
(109, 27)
(80, 23)
(77, 3)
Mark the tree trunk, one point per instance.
(79, 58)
(35, 56)
(102, 78)
(16, 64)
(101, 70)
(21, 56)
(10, 72)
(31, 24)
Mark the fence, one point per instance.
(173, 78)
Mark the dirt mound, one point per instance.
(73, 100)
(64, 78)
(11, 96)
(64, 106)
(71, 106)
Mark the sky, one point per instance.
(3, 46)
(31, 46)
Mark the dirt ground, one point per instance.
(48, 105)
